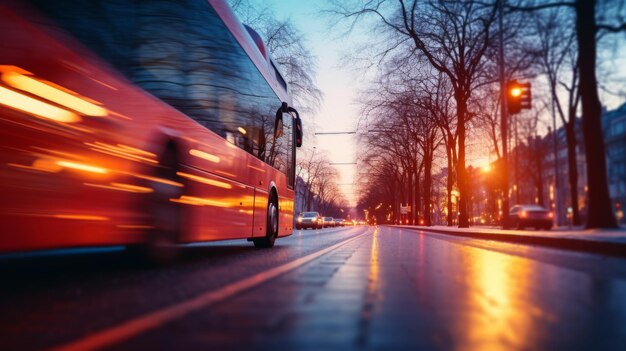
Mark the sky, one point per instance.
(340, 85)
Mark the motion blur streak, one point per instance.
(216, 183)
(122, 187)
(123, 152)
(198, 201)
(33, 106)
(136, 151)
(130, 187)
(82, 167)
(53, 94)
(43, 165)
(81, 217)
(156, 179)
(204, 155)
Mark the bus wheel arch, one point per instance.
(164, 216)
(272, 221)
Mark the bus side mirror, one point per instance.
(298, 127)
(298, 131)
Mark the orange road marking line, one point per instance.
(126, 330)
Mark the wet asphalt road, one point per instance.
(384, 289)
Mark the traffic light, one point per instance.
(518, 96)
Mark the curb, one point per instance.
(572, 244)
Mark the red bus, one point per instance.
(148, 122)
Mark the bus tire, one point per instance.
(271, 228)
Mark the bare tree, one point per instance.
(288, 48)
(394, 129)
(559, 62)
(600, 212)
(319, 182)
(453, 37)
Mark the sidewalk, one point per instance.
(600, 241)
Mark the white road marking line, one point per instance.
(126, 330)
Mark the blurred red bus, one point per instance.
(141, 122)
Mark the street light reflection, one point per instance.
(499, 319)
(374, 261)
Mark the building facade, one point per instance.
(614, 130)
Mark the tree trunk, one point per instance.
(461, 174)
(402, 197)
(309, 199)
(537, 155)
(600, 214)
(409, 215)
(570, 136)
(449, 184)
(428, 160)
(418, 192)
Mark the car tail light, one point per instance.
(523, 214)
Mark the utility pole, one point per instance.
(503, 121)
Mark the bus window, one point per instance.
(182, 53)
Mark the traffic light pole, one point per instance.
(504, 120)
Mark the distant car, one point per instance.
(522, 216)
(328, 222)
(311, 220)
(338, 222)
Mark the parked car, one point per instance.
(328, 222)
(311, 220)
(522, 216)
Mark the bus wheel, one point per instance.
(164, 215)
(271, 231)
